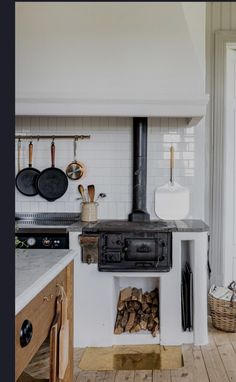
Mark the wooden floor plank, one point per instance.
(233, 343)
(86, 376)
(232, 336)
(221, 338)
(228, 357)
(124, 376)
(214, 365)
(185, 373)
(161, 376)
(91, 376)
(110, 376)
(199, 368)
(232, 339)
(100, 376)
(143, 376)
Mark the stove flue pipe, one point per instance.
(139, 211)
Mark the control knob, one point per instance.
(26, 333)
(31, 241)
(46, 242)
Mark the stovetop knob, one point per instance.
(46, 242)
(31, 241)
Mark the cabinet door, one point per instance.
(40, 312)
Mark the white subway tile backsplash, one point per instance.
(108, 160)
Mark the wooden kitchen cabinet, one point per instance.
(40, 313)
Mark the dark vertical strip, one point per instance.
(139, 211)
(7, 278)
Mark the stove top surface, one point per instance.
(45, 221)
(127, 226)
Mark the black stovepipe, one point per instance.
(139, 211)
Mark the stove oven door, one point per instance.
(140, 250)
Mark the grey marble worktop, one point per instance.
(34, 269)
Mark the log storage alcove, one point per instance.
(137, 311)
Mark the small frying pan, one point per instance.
(26, 179)
(52, 183)
(75, 170)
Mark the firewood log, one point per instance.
(155, 301)
(130, 322)
(125, 294)
(137, 294)
(124, 319)
(143, 324)
(144, 307)
(118, 330)
(154, 293)
(148, 298)
(155, 330)
(144, 300)
(154, 309)
(136, 305)
(150, 323)
(120, 305)
(137, 328)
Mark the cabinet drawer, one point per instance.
(40, 312)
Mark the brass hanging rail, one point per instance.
(38, 137)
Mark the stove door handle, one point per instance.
(143, 265)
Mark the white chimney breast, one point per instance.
(110, 58)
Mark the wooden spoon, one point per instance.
(81, 191)
(91, 192)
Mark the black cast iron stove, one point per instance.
(136, 245)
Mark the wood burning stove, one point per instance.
(134, 252)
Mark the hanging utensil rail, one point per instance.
(38, 137)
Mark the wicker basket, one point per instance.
(223, 314)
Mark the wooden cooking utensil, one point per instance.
(81, 191)
(91, 192)
(63, 338)
(172, 200)
(54, 342)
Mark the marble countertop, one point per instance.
(35, 268)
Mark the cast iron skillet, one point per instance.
(52, 183)
(26, 179)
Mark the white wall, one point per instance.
(108, 158)
(138, 51)
(219, 16)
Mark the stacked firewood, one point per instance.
(137, 311)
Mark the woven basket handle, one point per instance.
(232, 286)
